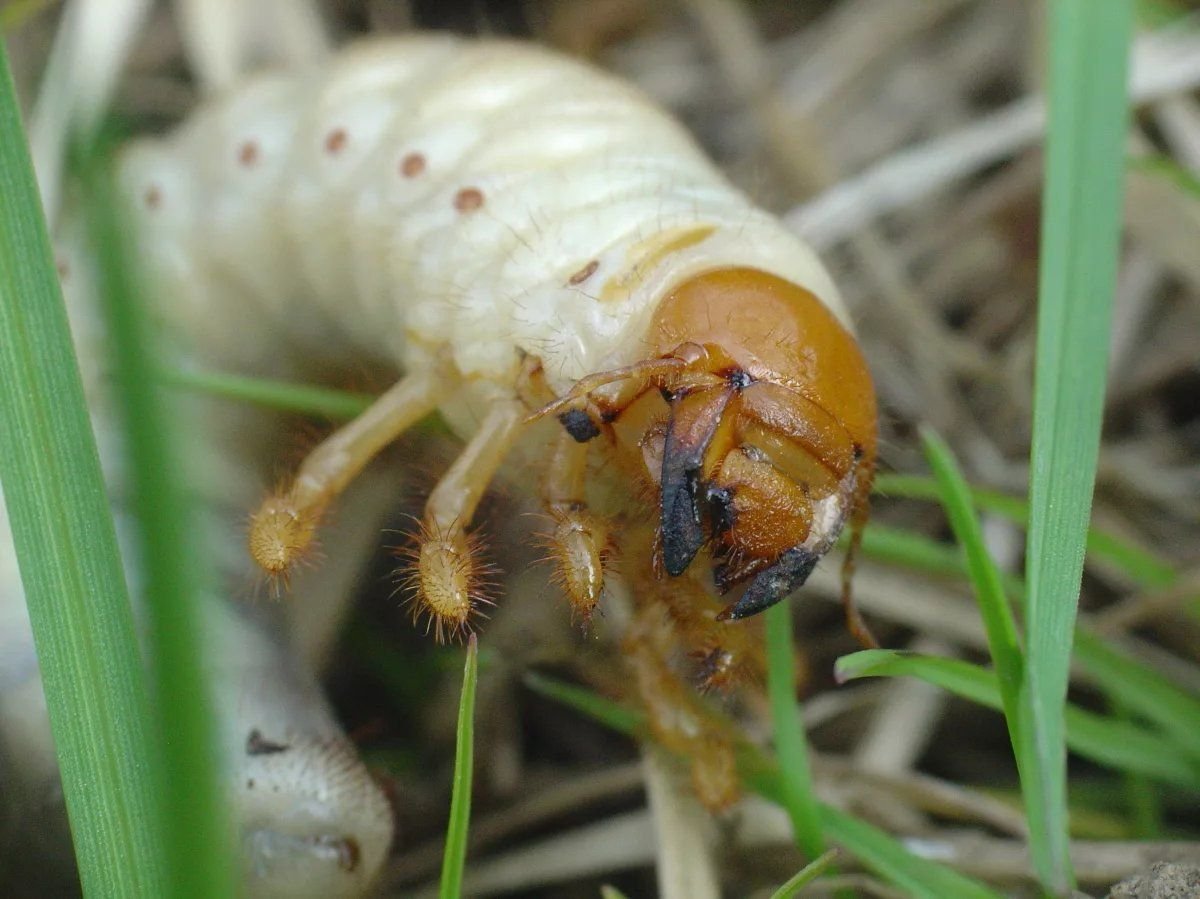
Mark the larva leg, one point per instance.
(854, 620)
(677, 719)
(724, 656)
(583, 414)
(449, 578)
(577, 542)
(284, 527)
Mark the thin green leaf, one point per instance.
(791, 747)
(305, 399)
(454, 859)
(889, 859)
(287, 396)
(198, 832)
(1141, 690)
(1142, 796)
(611, 714)
(1167, 168)
(1161, 13)
(1118, 744)
(1107, 741)
(1146, 693)
(92, 672)
(998, 621)
(910, 550)
(611, 892)
(953, 675)
(806, 875)
(918, 553)
(1081, 219)
(875, 849)
(1139, 565)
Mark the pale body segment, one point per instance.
(506, 227)
(311, 819)
(294, 193)
(499, 223)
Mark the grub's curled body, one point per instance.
(515, 230)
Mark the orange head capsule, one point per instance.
(767, 447)
(771, 433)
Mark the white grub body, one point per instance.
(423, 197)
(413, 200)
(312, 822)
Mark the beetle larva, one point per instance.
(311, 819)
(520, 235)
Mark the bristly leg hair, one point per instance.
(445, 580)
(280, 538)
(579, 552)
(679, 719)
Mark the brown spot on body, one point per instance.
(468, 199)
(248, 153)
(257, 744)
(412, 165)
(584, 273)
(347, 850)
(60, 264)
(335, 141)
(152, 198)
(349, 854)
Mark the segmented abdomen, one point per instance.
(422, 195)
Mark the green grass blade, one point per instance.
(304, 399)
(1081, 217)
(74, 584)
(791, 747)
(199, 841)
(287, 396)
(1142, 796)
(953, 675)
(611, 714)
(874, 848)
(1108, 741)
(887, 858)
(1003, 642)
(1115, 743)
(1162, 13)
(1168, 169)
(1142, 691)
(806, 875)
(919, 553)
(1139, 565)
(905, 549)
(454, 859)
